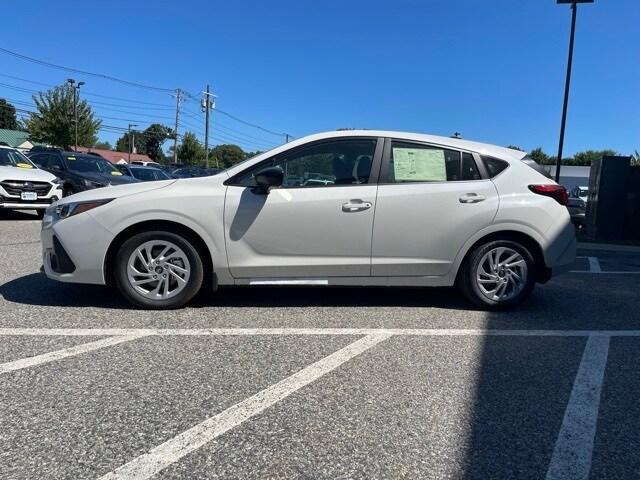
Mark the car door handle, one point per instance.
(356, 206)
(471, 198)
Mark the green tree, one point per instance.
(122, 144)
(587, 157)
(540, 157)
(153, 138)
(103, 145)
(8, 118)
(226, 155)
(190, 152)
(54, 121)
(635, 158)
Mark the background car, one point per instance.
(23, 185)
(146, 163)
(581, 192)
(402, 209)
(144, 174)
(78, 171)
(578, 211)
(191, 172)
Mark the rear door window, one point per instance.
(414, 162)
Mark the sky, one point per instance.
(492, 70)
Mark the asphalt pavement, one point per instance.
(313, 383)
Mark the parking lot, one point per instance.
(276, 383)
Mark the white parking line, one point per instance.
(162, 456)
(64, 353)
(309, 331)
(594, 267)
(574, 448)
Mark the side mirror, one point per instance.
(268, 178)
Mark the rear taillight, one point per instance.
(557, 192)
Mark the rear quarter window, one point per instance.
(494, 166)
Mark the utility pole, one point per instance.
(286, 138)
(175, 138)
(574, 10)
(208, 103)
(132, 143)
(76, 94)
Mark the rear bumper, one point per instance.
(560, 254)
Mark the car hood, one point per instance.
(26, 174)
(116, 191)
(107, 178)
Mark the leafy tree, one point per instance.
(122, 144)
(227, 155)
(147, 142)
(153, 138)
(103, 145)
(8, 115)
(190, 152)
(635, 158)
(539, 156)
(54, 121)
(587, 157)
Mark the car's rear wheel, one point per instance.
(499, 274)
(158, 270)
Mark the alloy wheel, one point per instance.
(158, 269)
(501, 274)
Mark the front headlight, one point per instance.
(73, 208)
(56, 181)
(89, 183)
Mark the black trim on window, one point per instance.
(374, 174)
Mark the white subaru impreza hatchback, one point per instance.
(369, 208)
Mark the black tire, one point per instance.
(469, 286)
(132, 295)
(66, 191)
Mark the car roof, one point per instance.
(487, 149)
(463, 144)
(142, 167)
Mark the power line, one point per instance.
(83, 72)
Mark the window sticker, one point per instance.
(71, 158)
(116, 174)
(23, 165)
(419, 165)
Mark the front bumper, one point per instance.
(83, 241)
(14, 202)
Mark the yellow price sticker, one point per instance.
(71, 158)
(23, 165)
(116, 174)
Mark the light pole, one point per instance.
(76, 94)
(131, 144)
(574, 9)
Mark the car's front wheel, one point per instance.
(158, 270)
(499, 274)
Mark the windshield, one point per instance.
(149, 174)
(89, 163)
(13, 158)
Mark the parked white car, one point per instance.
(400, 209)
(23, 186)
